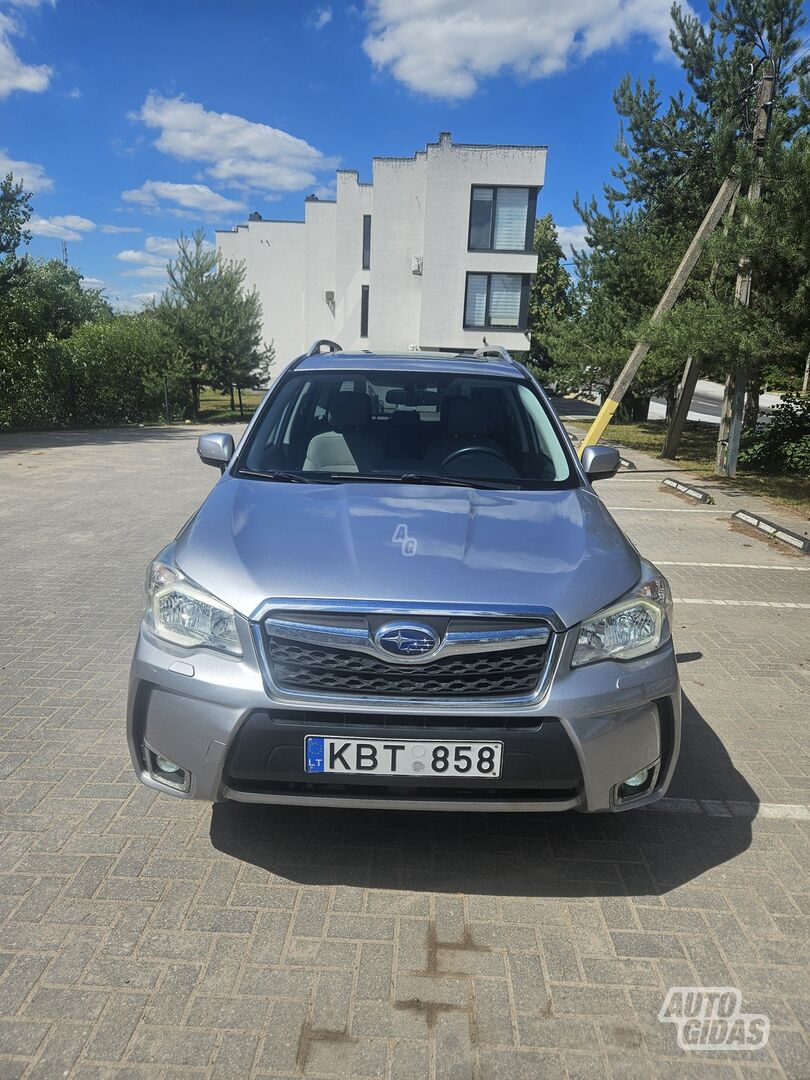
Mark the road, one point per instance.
(707, 403)
(147, 938)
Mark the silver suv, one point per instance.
(403, 592)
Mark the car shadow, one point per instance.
(18, 442)
(640, 853)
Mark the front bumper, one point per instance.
(593, 727)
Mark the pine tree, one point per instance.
(214, 325)
(672, 158)
(550, 298)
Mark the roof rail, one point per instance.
(493, 351)
(315, 347)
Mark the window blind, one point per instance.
(511, 210)
(476, 313)
(504, 300)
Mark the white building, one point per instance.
(435, 253)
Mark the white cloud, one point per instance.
(235, 151)
(444, 47)
(61, 226)
(92, 283)
(149, 262)
(322, 17)
(44, 227)
(154, 247)
(145, 297)
(74, 94)
(152, 273)
(572, 237)
(182, 200)
(15, 74)
(115, 229)
(33, 176)
(73, 221)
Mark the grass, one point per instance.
(697, 455)
(215, 406)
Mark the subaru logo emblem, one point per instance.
(406, 641)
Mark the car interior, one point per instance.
(454, 426)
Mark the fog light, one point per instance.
(638, 784)
(638, 779)
(166, 771)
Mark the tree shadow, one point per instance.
(571, 407)
(20, 442)
(644, 852)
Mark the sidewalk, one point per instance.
(146, 938)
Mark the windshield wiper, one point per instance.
(455, 481)
(287, 477)
(277, 474)
(424, 478)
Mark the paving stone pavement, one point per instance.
(147, 937)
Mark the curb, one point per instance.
(627, 464)
(774, 531)
(687, 489)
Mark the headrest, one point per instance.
(350, 409)
(466, 417)
(405, 418)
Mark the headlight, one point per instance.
(183, 613)
(637, 624)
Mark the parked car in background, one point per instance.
(403, 592)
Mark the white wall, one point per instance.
(320, 256)
(397, 235)
(451, 171)
(353, 200)
(419, 206)
(274, 254)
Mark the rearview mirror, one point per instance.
(600, 462)
(216, 449)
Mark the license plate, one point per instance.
(402, 757)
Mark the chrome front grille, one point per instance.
(484, 658)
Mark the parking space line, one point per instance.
(741, 603)
(735, 808)
(733, 565)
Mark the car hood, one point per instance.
(253, 540)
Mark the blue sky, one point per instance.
(134, 121)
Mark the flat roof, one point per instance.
(447, 363)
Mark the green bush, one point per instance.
(115, 370)
(106, 372)
(781, 443)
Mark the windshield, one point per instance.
(413, 427)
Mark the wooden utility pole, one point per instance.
(686, 390)
(691, 374)
(715, 212)
(731, 418)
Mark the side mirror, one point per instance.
(216, 449)
(600, 462)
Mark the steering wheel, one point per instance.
(491, 450)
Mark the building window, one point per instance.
(364, 311)
(502, 218)
(366, 241)
(496, 302)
